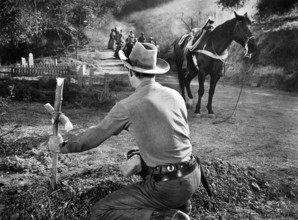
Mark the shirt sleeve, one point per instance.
(116, 121)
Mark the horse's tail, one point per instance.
(178, 53)
(174, 42)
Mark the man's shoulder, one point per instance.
(169, 89)
(172, 92)
(128, 101)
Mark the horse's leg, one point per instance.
(201, 78)
(188, 79)
(181, 79)
(213, 82)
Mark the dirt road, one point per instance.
(263, 133)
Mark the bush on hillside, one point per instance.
(43, 91)
(269, 7)
(48, 27)
(7, 94)
(135, 5)
(264, 7)
(231, 3)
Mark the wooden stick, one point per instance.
(63, 119)
(57, 107)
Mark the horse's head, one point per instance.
(242, 34)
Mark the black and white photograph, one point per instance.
(149, 110)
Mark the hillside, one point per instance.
(273, 66)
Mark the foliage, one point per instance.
(269, 7)
(135, 5)
(30, 24)
(6, 99)
(239, 193)
(264, 7)
(234, 4)
(44, 90)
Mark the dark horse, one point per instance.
(209, 56)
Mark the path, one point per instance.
(262, 134)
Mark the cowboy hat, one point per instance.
(143, 59)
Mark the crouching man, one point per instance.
(157, 118)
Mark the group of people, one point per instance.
(118, 42)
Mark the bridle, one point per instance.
(246, 47)
(244, 40)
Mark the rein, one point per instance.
(237, 102)
(242, 81)
(246, 46)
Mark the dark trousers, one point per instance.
(139, 200)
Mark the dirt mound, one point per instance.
(240, 193)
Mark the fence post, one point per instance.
(106, 87)
(91, 77)
(81, 75)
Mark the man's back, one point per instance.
(158, 121)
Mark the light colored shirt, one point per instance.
(155, 115)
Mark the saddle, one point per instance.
(185, 38)
(200, 41)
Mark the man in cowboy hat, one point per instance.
(157, 118)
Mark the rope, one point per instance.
(224, 75)
(236, 105)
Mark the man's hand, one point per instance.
(54, 143)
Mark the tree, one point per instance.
(269, 7)
(234, 4)
(27, 25)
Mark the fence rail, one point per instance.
(62, 70)
(73, 73)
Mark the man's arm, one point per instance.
(112, 124)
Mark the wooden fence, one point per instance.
(60, 70)
(73, 73)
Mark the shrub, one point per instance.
(269, 7)
(4, 100)
(135, 5)
(231, 3)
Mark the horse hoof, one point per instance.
(189, 103)
(211, 115)
(197, 115)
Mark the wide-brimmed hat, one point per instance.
(143, 59)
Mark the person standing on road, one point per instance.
(128, 47)
(130, 37)
(116, 33)
(111, 43)
(142, 38)
(120, 37)
(151, 41)
(157, 118)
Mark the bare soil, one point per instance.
(250, 159)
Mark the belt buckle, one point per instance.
(170, 168)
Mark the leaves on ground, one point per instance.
(239, 193)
